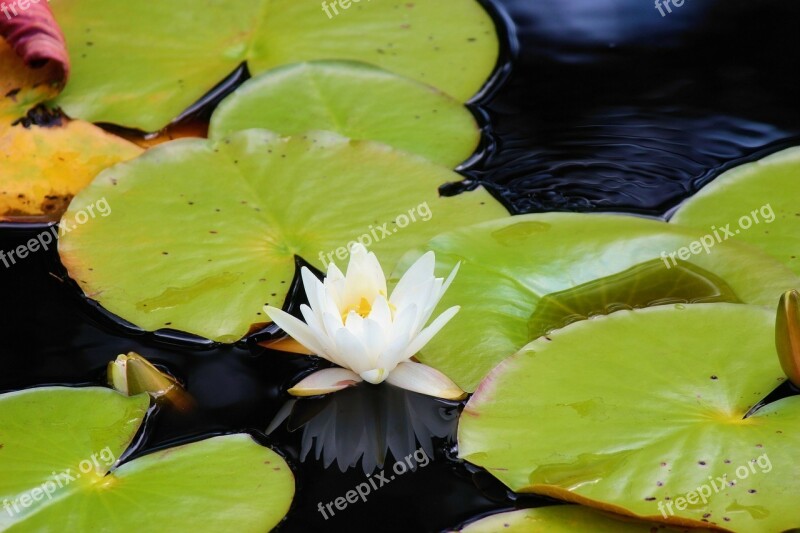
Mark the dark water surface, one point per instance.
(606, 106)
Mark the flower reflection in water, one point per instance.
(368, 423)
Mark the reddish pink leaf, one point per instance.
(34, 34)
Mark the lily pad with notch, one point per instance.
(121, 75)
(653, 421)
(526, 275)
(60, 457)
(211, 228)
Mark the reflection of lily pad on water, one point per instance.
(355, 100)
(230, 216)
(566, 519)
(60, 451)
(654, 411)
(737, 199)
(510, 266)
(122, 75)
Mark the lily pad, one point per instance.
(757, 203)
(526, 275)
(212, 228)
(565, 519)
(59, 454)
(120, 73)
(44, 167)
(351, 99)
(653, 415)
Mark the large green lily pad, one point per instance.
(526, 275)
(203, 234)
(758, 203)
(140, 65)
(353, 100)
(633, 411)
(73, 438)
(565, 519)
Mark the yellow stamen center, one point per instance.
(363, 308)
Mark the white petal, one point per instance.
(365, 278)
(334, 284)
(374, 339)
(332, 323)
(354, 324)
(427, 334)
(381, 313)
(421, 296)
(399, 340)
(450, 278)
(359, 264)
(403, 322)
(325, 381)
(376, 376)
(376, 272)
(329, 302)
(351, 351)
(423, 379)
(334, 274)
(436, 296)
(317, 328)
(418, 273)
(297, 329)
(310, 283)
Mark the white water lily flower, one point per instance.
(353, 323)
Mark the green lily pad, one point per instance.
(757, 203)
(351, 99)
(565, 519)
(634, 411)
(121, 73)
(212, 228)
(526, 275)
(59, 449)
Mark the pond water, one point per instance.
(603, 105)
